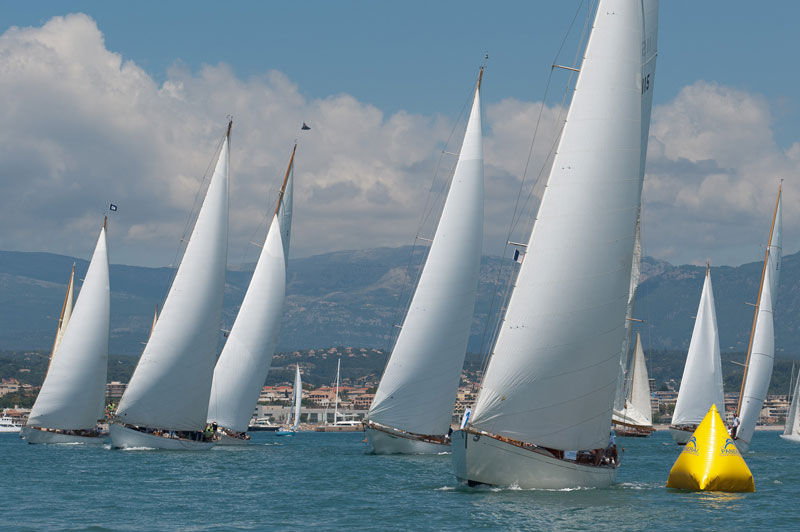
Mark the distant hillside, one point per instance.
(352, 298)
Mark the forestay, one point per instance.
(419, 386)
(171, 384)
(73, 393)
(701, 384)
(552, 377)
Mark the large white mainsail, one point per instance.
(73, 393)
(761, 350)
(419, 385)
(791, 430)
(245, 360)
(701, 384)
(551, 380)
(172, 381)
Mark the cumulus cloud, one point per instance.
(85, 127)
(713, 172)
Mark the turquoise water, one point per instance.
(325, 482)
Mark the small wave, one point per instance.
(138, 449)
(777, 482)
(446, 488)
(444, 452)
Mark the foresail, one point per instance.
(627, 355)
(73, 393)
(298, 396)
(418, 388)
(171, 385)
(245, 360)
(284, 208)
(552, 377)
(762, 354)
(792, 425)
(701, 384)
(640, 387)
(66, 314)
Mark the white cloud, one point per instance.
(84, 127)
(713, 171)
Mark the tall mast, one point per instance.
(336, 397)
(758, 303)
(285, 179)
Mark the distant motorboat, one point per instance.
(262, 425)
(71, 401)
(9, 425)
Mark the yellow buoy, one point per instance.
(710, 460)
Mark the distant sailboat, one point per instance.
(343, 425)
(761, 349)
(294, 411)
(701, 384)
(543, 412)
(72, 399)
(245, 360)
(791, 429)
(413, 405)
(166, 402)
(636, 417)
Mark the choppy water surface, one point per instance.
(326, 482)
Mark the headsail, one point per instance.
(553, 373)
(297, 399)
(792, 425)
(419, 385)
(701, 384)
(73, 393)
(66, 313)
(624, 379)
(172, 381)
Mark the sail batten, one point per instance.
(171, 385)
(420, 382)
(559, 345)
(73, 393)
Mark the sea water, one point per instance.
(326, 481)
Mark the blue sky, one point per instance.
(421, 59)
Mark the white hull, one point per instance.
(125, 438)
(795, 438)
(33, 435)
(224, 439)
(9, 429)
(384, 443)
(486, 460)
(680, 436)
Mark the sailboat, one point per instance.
(543, 411)
(701, 384)
(636, 417)
(166, 402)
(297, 399)
(413, 404)
(791, 429)
(245, 360)
(761, 349)
(339, 425)
(72, 399)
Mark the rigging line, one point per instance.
(514, 218)
(192, 218)
(402, 306)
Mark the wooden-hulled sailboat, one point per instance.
(413, 405)
(761, 349)
(72, 399)
(636, 417)
(294, 411)
(245, 360)
(543, 412)
(701, 384)
(166, 402)
(791, 429)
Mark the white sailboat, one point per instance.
(543, 412)
(245, 360)
(701, 384)
(72, 399)
(761, 349)
(413, 404)
(166, 402)
(294, 411)
(791, 429)
(339, 425)
(636, 417)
